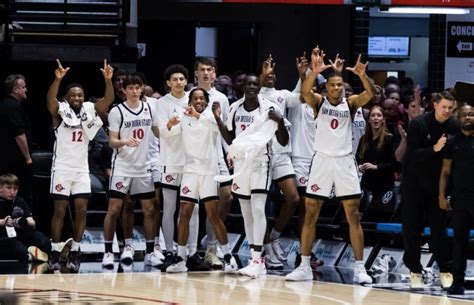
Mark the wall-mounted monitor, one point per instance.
(389, 47)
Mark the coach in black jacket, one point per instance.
(426, 137)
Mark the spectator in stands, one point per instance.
(391, 84)
(426, 138)
(117, 80)
(375, 154)
(15, 132)
(458, 162)
(18, 237)
(412, 108)
(223, 84)
(238, 86)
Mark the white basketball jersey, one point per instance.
(132, 123)
(303, 129)
(71, 147)
(358, 128)
(334, 133)
(171, 146)
(154, 149)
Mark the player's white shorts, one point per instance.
(66, 183)
(302, 167)
(139, 187)
(256, 179)
(340, 171)
(224, 171)
(282, 168)
(195, 187)
(171, 180)
(156, 173)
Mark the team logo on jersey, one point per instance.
(119, 185)
(185, 190)
(280, 99)
(84, 117)
(169, 178)
(59, 187)
(315, 188)
(303, 180)
(235, 186)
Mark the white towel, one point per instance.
(88, 118)
(249, 143)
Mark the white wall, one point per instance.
(459, 68)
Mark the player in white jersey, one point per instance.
(252, 185)
(200, 133)
(333, 162)
(358, 122)
(283, 173)
(172, 106)
(132, 124)
(75, 123)
(205, 73)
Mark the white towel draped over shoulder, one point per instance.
(250, 142)
(88, 118)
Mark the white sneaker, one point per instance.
(152, 260)
(230, 265)
(302, 273)
(108, 260)
(272, 262)
(361, 276)
(254, 269)
(127, 254)
(178, 266)
(279, 253)
(445, 279)
(210, 257)
(158, 253)
(36, 255)
(416, 280)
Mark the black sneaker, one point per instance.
(74, 261)
(196, 263)
(314, 261)
(456, 289)
(169, 259)
(53, 262)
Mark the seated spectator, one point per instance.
(18, 238)
(375, 154)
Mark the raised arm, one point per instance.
(362, 99)
(267, 68)
(52, 102)
(317, 66)
(103, 104)
(226, 134)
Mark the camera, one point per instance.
(20, 222)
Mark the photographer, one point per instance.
(18, 237)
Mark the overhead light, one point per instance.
(425, 10)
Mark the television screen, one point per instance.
(389, 46)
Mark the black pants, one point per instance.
(462, 220)
(415, 205)
(17, 248)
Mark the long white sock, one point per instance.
(167, 223)
(305, 261)
(225, 249)
(211, 237)
(55, 247)
(182, 252)
(258, 214)
(193, 231)
(248, 219)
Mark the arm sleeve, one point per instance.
(388, 162)
(17, 121)
(292, 99)
(416, 152)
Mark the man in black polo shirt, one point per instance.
(426, 137)
(15, 133)
(459, 161)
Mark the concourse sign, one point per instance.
(460, 39)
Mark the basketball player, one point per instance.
(75, 123)
(252, 185)
(132, 123)
(200, 134)
(333, 162)
(205, 73)
(283, 173)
